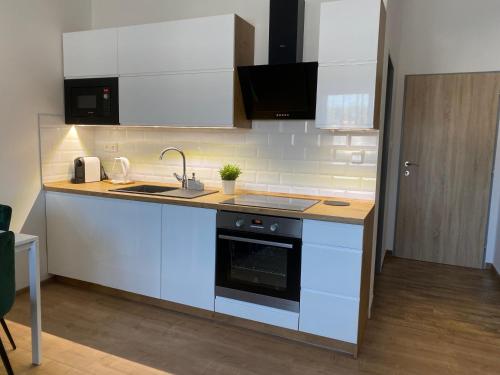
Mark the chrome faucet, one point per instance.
(182, 179)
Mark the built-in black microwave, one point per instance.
(91, 101)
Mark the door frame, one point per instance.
(400, 159)
(384, 165)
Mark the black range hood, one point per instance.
(286, 88)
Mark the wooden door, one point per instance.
(449, 133)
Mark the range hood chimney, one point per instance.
(286, 88)
(286, 31)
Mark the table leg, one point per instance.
(36, 315)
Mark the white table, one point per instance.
(25, 242)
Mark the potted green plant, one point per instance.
(229, 173)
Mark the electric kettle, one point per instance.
(121, 177)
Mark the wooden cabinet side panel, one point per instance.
(244, 55)
(366, 276)
(380, 68)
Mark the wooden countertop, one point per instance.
(357, 213)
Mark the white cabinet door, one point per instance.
(331, 270)
(346, 96)
(349, 31)
(111, 242)
(192, 99)
(176, 46)
(188, 256)
(91, 53)
(328, 315)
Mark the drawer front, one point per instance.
(329, 316)
(333, 234)
(258, 313)
(331, 270)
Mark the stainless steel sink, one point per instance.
(164, 191)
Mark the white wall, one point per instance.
(30, 83)
(445, 36)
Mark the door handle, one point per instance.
(410, 164)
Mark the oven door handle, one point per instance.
(258, 242)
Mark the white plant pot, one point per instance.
(229, 187)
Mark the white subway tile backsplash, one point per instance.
(281, 165)
(333, 168)
(368, 184)
(343, 156)
(293, 127)
(280, 139)
(371, 157)
(275, 156)
(347, 183)
(365, 140)
(268, 178)
(60, 145)
(340, 140)
(319, 153)
(304, 140)
(300, 166)
(362, 170)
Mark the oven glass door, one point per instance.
(261, 264)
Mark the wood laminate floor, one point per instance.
(427, 319)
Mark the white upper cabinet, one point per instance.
(195, 44)
(176, 73)
(177, 99)
(91, 53)
(349, 31)
(346, 96)
(351, 54)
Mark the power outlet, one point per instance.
(357, 157)
(111, 147)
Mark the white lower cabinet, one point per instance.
(328, 315)
(331, 279)
(258, 313)
(169, 252)
(110, 242)
(188, 256)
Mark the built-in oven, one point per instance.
(258, 259)
(92, 101)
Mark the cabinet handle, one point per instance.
(258, 242)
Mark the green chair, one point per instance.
(7, 289)
(5, 215)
